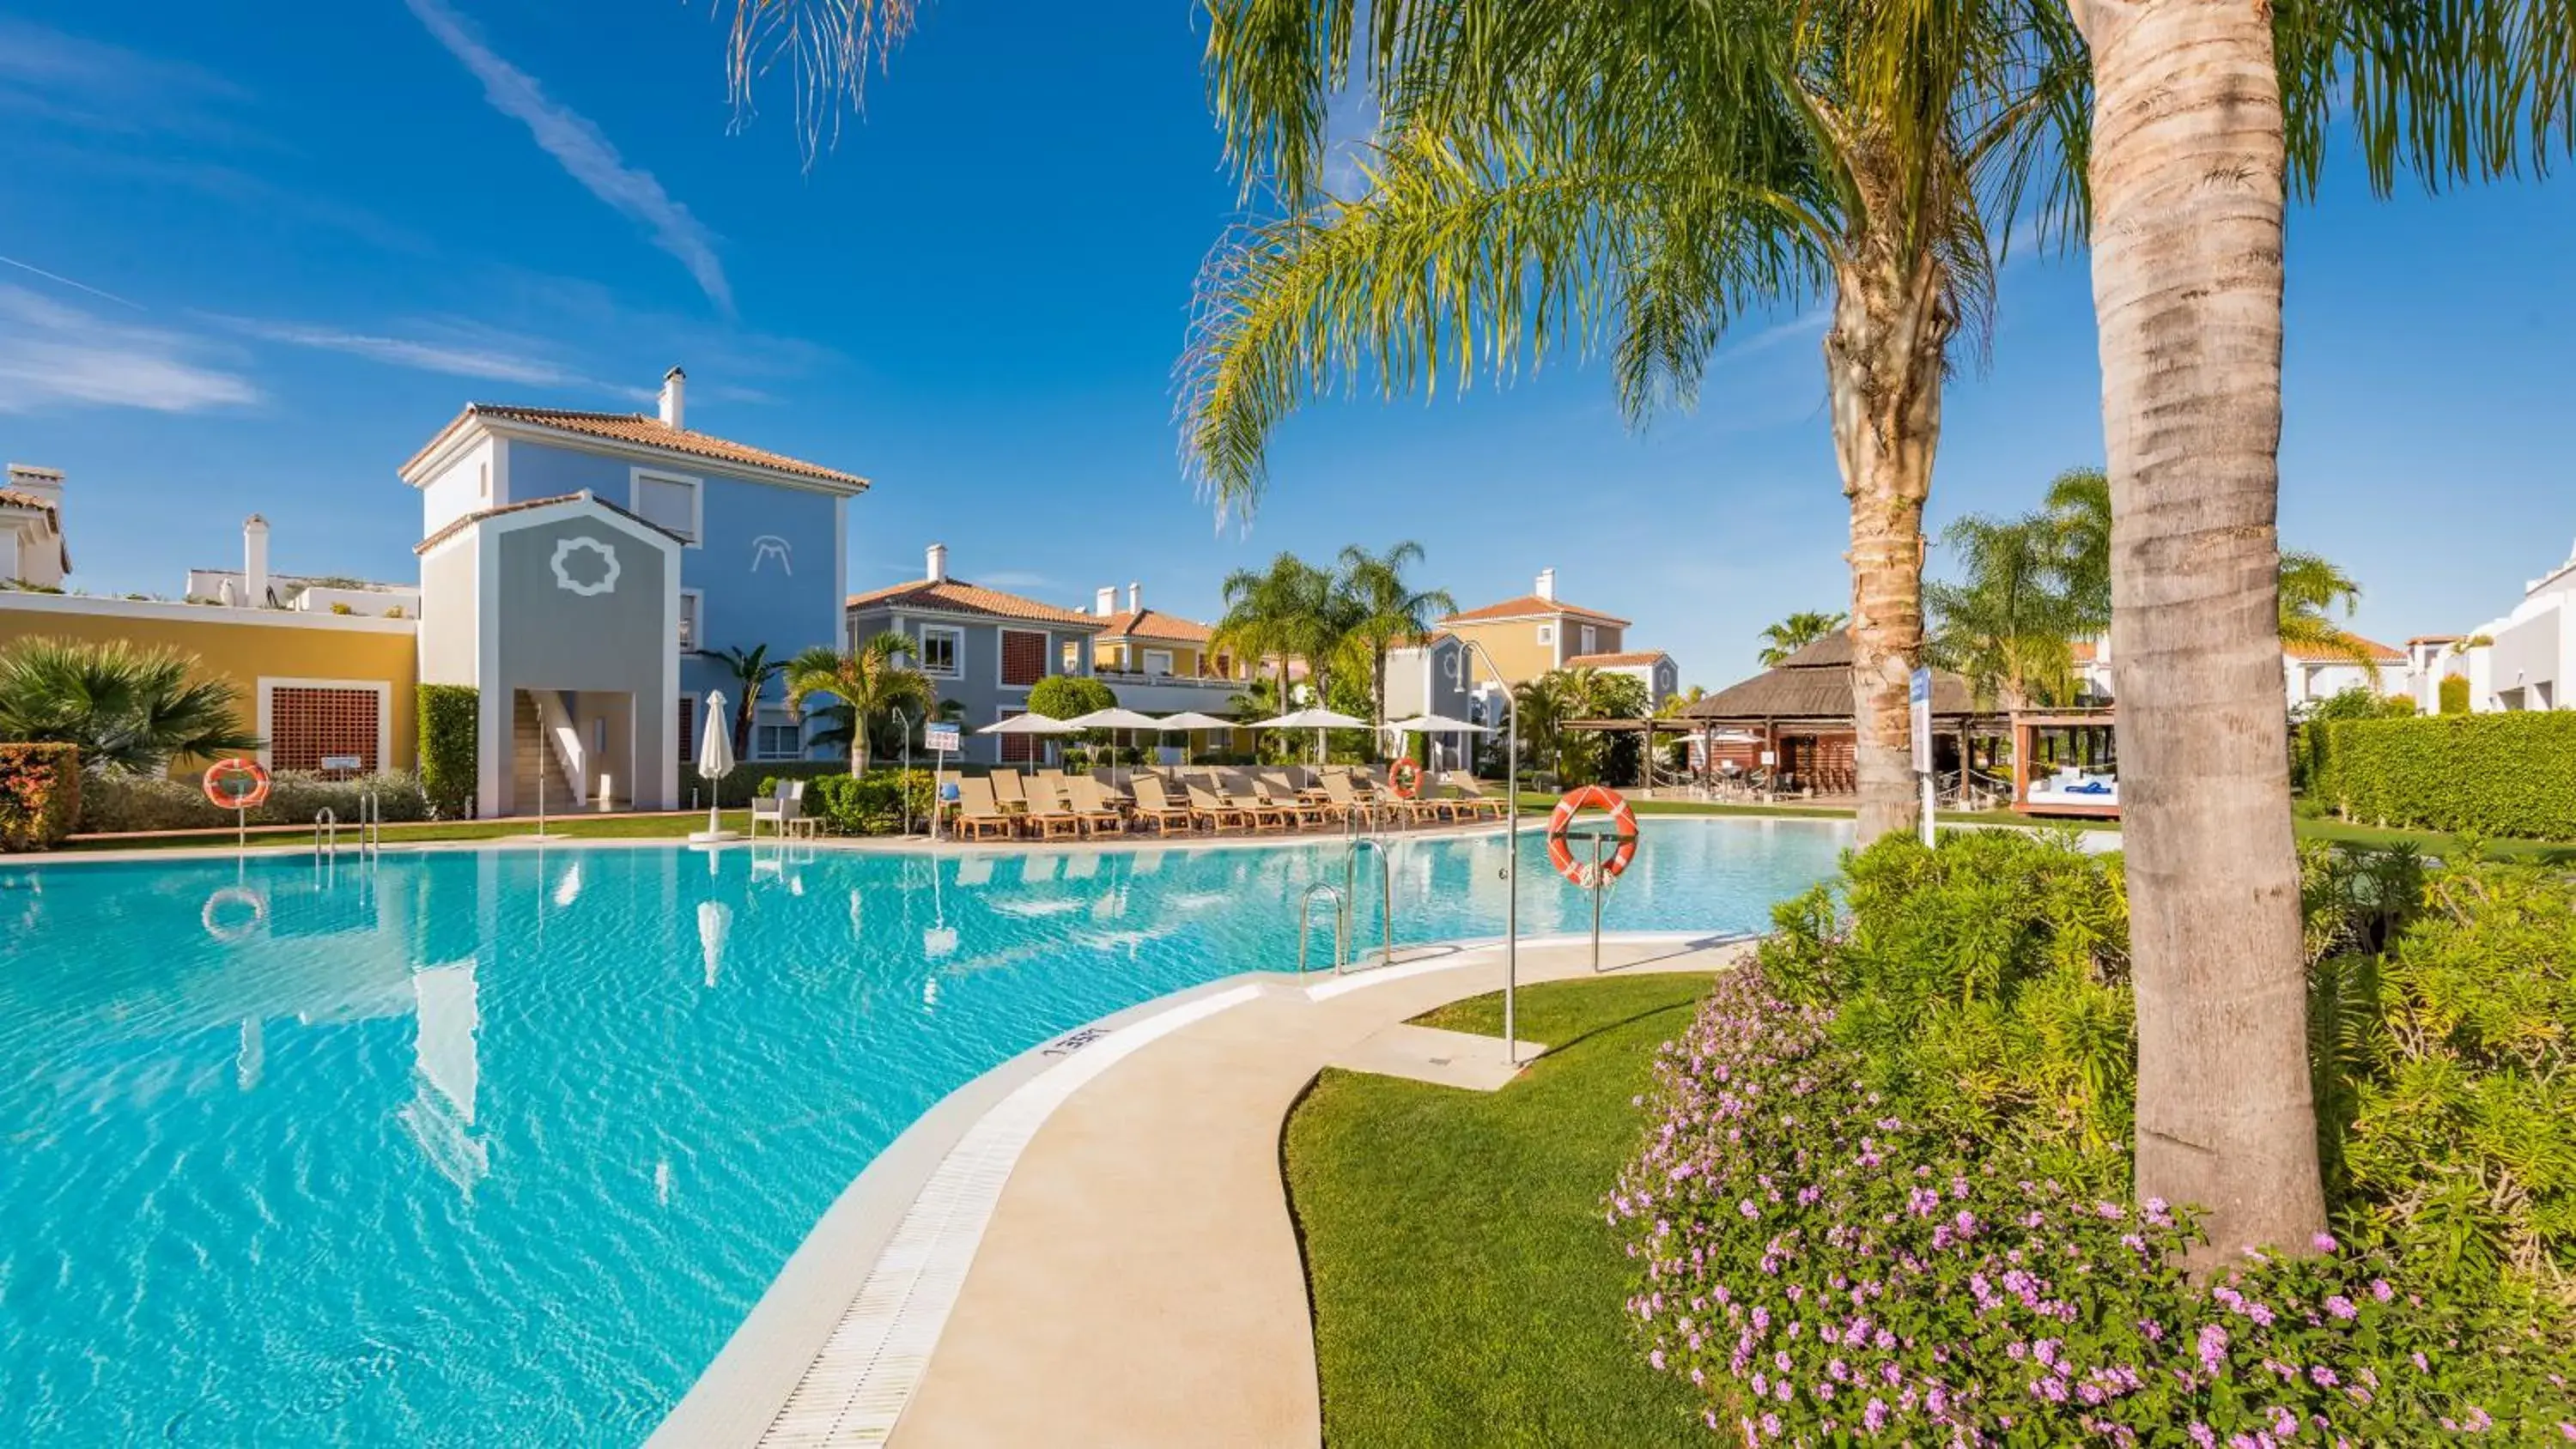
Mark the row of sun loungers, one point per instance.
(1050, 805)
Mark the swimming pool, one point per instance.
(500, 1145)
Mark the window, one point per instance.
(483, 486)
(1591, 640)
(940, 650)
(333, 729)
(668, 501)
(1547, 633)
(776, 737)
(1024, 658)
(1158, 661)
(690, 600)
(1069, 657)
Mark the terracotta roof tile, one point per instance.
(2320, 654)
(1628, 660)
(1528, 604)
(1155, 624)
(477, 516)
(13, 498)
(956, 596)
(646, 431)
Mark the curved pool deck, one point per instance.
(1092, 1245)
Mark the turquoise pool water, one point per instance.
(499, 1146)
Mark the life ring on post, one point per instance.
(1404, 777)
(220, 786)
(1622, 819)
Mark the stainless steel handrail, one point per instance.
(1385, 898)
(1306, 924)
(371, 823)
(326, 833)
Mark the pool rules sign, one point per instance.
(1918, 698)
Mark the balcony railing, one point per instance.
(1140, 676)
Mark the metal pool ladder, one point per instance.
(1385, 897)
(370, 828)
(1341, 919)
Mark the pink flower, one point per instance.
(2324, 1242)
(2340, 1306)
(2213, 1347)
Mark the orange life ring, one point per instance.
(227, 798)
(1621, 818)
(1404, 777)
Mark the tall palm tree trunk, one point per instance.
(1883, 359)
(2187, 197)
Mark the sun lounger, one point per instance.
(1244, 794)
(1097, 815)
(978, 814)
(1008, 792)
(1048, 816)
(1275, 787)
(1155, 806)
(1471, 794)
(1207, 808)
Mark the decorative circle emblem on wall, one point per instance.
(604, 584)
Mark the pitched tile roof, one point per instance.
(1155, 624)
(12, 498)
(956, 596)
(478, 515)
(644, 430)
(2320, 654)
(1628, 660)
(1528, 604)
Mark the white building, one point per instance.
(32, 554)
(2527, 659)
(2308, 674)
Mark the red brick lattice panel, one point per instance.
(688, 736)
(1023, 657)
(1018, 749)
(308, 725)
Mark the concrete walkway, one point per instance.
(1139, 1281)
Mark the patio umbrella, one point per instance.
(715, 761)
(1434, 724)
(1028, 724)
(1316, 718)
(1115, 718)
(1190, 721)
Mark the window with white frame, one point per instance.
(1547, 633)
(667, 500)
(1158, 661)
(1591, 640)
(940, 651)
(775, 735)
(692, 604)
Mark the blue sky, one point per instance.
(281, 256)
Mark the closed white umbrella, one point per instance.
(715, 761)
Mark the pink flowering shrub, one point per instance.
(1824, 1269)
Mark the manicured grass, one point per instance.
(1466, 1288)
(300, 837)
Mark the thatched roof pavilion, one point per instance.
(1814, 687)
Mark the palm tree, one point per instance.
(128, 708)
(1388, 610)
(1635, 175)
(2078, 506)
(2311, 588)
(1287, 612)
(1796, 632)
(751, 673)
(2010, 624)
(869, 684)
(2204, 111)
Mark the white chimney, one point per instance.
(1135, 598)
(44, 483)
(255, 561)
(1547, 585)
(1104, 602)
(675, 398)
(938, 563)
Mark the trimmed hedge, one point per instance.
(120, 803)
(40, 794)
(2492, 774)
(449, 724)
(2455, 694)
(752, 777)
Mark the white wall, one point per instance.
(475, 480)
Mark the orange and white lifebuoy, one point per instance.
(220, 787)
(1622, 819)
(1404, 777)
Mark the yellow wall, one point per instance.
(244, 646)
(1129, 654)
(1514, 645)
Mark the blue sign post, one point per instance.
(1918, 696)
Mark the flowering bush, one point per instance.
(1822, 1268)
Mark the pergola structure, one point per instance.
(2065, 762)
(1792, 724)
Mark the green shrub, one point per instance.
(2455, 694)
(877, 803)
(753, 778)
(1065, 696)
(40, 794)
(2492, 774)
(449, 725)
(119, 803)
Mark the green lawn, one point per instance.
(1466, 1289)
(2431, 842)
(300, 837)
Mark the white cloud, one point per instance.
(496, 357)
(53, 356)
(582, 150)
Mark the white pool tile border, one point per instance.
(867, 1371)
